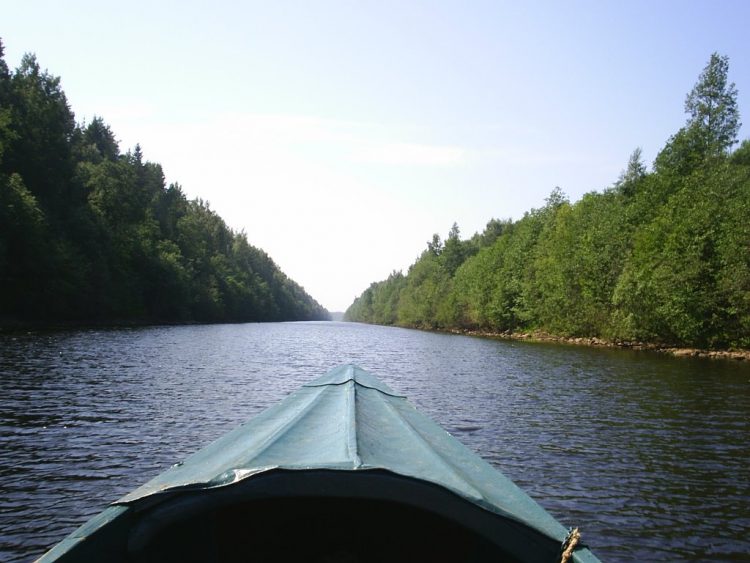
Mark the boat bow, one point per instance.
(341, 425)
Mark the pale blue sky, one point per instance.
(341, 135)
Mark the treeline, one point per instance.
(660, 256)
(88, 233)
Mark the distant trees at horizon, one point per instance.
(660, 256)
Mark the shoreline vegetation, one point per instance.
(89, 234)
(658, 261)
(25, 326)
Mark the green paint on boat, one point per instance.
(343, 469)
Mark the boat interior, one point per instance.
(329, 517)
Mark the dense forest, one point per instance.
(88, 233)
(661, 256)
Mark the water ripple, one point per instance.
(648, 454)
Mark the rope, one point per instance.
(570, 543)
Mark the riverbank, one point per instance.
(8, 325)
(539, 336)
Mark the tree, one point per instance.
(44, 127)
(6, 133)
(23, 256)
(555, 199)
(712, 125)
(633, 174)
(4, 75)
(435, 246)
(660, 256)
(454, 250)
(426, 285)
(712, 106)
(100, 139)
(87, 233)
(494, 229)
(742, 155)
(578, 262)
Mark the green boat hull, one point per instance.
(342, 470)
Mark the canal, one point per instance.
(647, 454)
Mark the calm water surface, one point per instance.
(649, 455)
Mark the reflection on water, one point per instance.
(648, 454)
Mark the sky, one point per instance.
(340, 135)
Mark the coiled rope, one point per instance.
(570, 543)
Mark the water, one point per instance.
(648, 454)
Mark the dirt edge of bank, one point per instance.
(536, 336)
